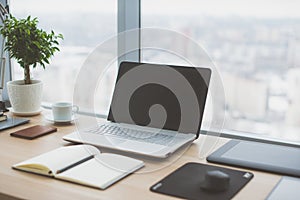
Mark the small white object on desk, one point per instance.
(3, 117)
(26, 114)
(64, 111)
(50, 118)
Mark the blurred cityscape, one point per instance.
(258, 59)
(260, 66)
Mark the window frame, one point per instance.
(129, 17)
(7, 64)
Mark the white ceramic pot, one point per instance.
(25, 99)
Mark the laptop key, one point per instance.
(131, 134)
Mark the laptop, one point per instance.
(155, 110)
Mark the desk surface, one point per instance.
(16, 184)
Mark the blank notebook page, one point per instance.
(99, 174)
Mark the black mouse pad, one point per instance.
(186, 181)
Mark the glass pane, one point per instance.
(85, 25)
(256, 46)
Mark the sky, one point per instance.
(256, 8)
(58, 6)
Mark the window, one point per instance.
(84, 24)
(256, 46)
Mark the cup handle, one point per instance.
(75, 109)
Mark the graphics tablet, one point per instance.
(260, 156)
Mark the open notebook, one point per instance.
(82, 164)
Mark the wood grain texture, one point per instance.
(22, 185)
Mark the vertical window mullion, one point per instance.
(129, 18)
(7, 66)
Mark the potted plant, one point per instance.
(31, 47)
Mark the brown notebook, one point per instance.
(34, 132)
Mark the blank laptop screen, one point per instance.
(160, 96)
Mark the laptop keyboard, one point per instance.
(132, 134)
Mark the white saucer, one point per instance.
(49, 117)
(26, 114)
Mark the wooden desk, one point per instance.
(20, 185)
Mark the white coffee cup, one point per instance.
(63, 111)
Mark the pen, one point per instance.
(74, 164)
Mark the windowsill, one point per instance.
(225, 133)
(239, 135)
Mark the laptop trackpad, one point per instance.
(116, 141)
(141, 147)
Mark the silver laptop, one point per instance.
(155, 110)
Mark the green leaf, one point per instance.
(28, 44)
